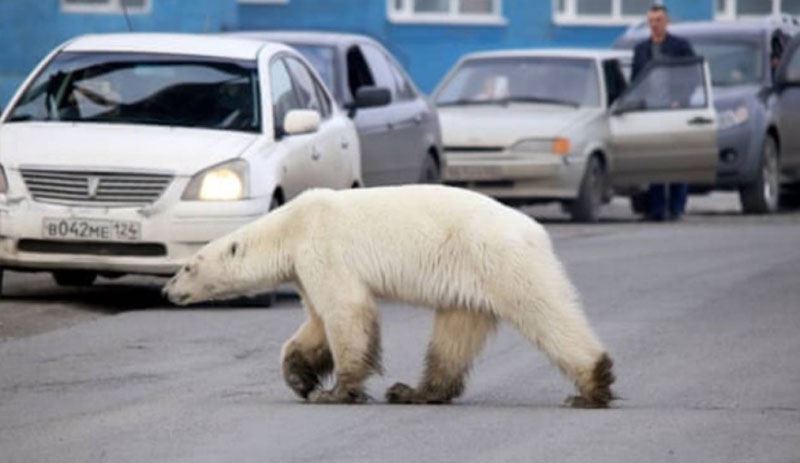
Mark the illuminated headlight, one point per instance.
(559, 146)
(225, 182)
(3, 181)
(732, 117)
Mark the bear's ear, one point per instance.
(234, 249)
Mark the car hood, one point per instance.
(182, 151)
(502, 126)
(727, 97)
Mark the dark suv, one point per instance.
(742, 57)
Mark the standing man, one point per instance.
(662, 44)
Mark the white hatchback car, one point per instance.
(125, 153)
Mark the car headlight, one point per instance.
(560, 146)
(223, 182)
(732, 117)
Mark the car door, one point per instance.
(330, 166)
(663, 127)
(788, 100)
(406, 116)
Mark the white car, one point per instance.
(563, 125)
(125, 153)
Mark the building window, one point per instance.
(732, 9)
(105, 6)
(446, 11)
(600, 11)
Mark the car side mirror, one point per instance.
(370, 97)
(300, 121)
(625, 106)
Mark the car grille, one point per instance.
(92, 248)
(95, 188)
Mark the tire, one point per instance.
(586, 207)
(761, 196)
(430, 171)
(74, 277)
(2, 271)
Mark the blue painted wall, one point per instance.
(31, 28)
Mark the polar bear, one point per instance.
(471, 259)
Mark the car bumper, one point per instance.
(738, 155)
(529, 177)
(170, 232)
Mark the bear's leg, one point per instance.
(306, 358)
(458, 336)
(562, 332)
(353, 332)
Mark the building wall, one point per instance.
(29, 29)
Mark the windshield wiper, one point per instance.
(468, 101)
(536, 99)
(20, 117)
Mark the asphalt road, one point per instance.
(702, 318)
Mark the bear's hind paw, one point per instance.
(576, 401)
(335, 396)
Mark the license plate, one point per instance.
(91, 229)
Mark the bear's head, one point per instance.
(217, 271)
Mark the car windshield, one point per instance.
(322, 58)
(732, 62)
(134, 88)
(566, 81)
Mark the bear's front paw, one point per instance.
(401, 394)
(299, 375)
(338, 396)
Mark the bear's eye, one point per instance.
(234, 249)
(188, 268)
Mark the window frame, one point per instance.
(406, 15)
(730, 11)
(570, 15)
(108, 7)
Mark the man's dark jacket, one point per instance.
(672, 47)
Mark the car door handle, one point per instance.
(700, 120)
(315, 154)
(418, 119)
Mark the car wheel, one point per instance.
(430, 171)
(761, 196)
(586, 207)
(2, 271)
(74, 277)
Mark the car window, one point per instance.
(379, 67)
(140, 88)
(358, 72)
(669, 84)
(403, 88)
(732, 62)
(322, 58)
(284, 97)
(570, 81)
(793, 67)
(308, 90)
(615, 79)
